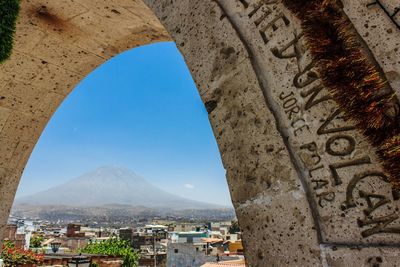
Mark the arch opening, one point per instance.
(136, 136)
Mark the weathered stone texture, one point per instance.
(379, 28)
(307, 188)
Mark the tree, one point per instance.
(114, 247)
(36, 241)
(234, 228)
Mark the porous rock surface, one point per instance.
(307, 187)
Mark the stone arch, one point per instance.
(270, 115)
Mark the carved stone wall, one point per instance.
(307, 187)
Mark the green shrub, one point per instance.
(36, 241)
(114, 247)
(8, 16)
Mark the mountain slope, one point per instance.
(111, 185)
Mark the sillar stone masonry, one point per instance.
(307, 187)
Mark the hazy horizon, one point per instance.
(111, 185)
(39, 190)
(140, 110)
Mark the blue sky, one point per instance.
(139, 110)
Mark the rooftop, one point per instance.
(235, 263)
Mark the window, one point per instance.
(176, 250)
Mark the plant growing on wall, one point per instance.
(8, 16)
(353, 80)
(114, 247)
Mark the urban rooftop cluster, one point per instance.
(156, 243)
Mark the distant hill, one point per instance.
(117, 215)
(113, 186)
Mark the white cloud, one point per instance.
(189, 186)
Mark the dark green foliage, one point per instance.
(234, 228)
(8, 16)
(36, 241)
